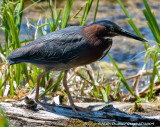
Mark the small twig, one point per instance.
(75, 72)
(2, 56)
(145, 90)
(87, 98)
(149, 72)
(36, 32)
(90, 72)
(83, 77)
(137, 80)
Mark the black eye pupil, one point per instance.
(111, 28)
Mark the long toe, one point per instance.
(47, 106)
(75, 108)
(83, 109)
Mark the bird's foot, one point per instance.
(75, 108)
(47, 106)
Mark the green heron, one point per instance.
(70, 47)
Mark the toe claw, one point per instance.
(46, 105)
(75, 108)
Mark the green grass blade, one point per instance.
(151, 16)
(86, 12)
(95, 91)
(18, 73)
(122, 77)
(124, 9)
(1, 94)
(105, 97)
(130, 21)
(13, 30)
(3, 119)
(11, 82)
(152, 83)
(117, 88)
(95, 14)
(6, 43)
(52, 15)
(152, 23)
(2, 29)
(55, 85)
(6, 78)
(25, 71)
(18, 14)
(58, 19)
(76, 15)
(39, 28)
(66, 13)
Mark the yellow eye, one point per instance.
(112, 28)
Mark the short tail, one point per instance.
(12, 61)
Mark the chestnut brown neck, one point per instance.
(94, 34)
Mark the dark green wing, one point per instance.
(57, 47)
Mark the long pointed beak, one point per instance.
(130, 35)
